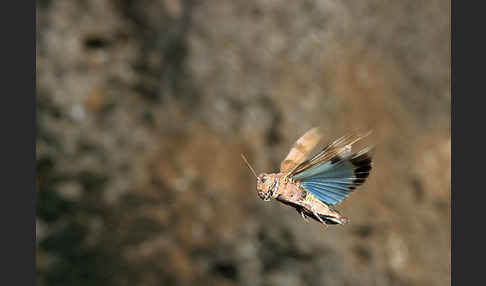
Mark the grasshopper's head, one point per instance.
(266, 183)
(266, 186)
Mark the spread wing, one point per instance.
(335, 172)
(300, 150)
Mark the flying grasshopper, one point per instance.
(313, 186)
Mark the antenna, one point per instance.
(249, 166)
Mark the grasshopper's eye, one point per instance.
(264, 179)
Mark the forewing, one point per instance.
(333, 180)
(302, 147)
(340, 147)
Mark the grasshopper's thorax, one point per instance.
(268, 184)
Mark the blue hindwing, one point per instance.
(332, 181)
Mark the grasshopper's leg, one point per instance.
(318, 217)
(304, 216)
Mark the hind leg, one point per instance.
(318, 217)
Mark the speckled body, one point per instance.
(280, 187)
(345, 171)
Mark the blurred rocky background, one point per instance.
(143, 109)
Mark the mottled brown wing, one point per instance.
(300, 150)
(341, 146)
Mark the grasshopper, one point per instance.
(313, 186)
